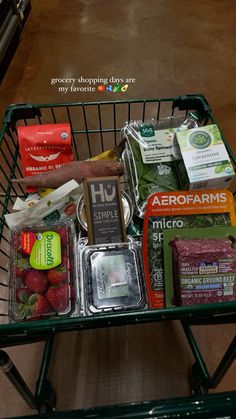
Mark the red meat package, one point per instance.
(204, 270)
(44, 148)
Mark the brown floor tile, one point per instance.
(27, 359)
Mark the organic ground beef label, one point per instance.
(200, 265)
(177, 210)
(204, 270)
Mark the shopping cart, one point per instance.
(95, 127)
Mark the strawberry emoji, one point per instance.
(22, 266)
(34, 307)
(57, 275)
(64, 235)
(59, 297)
(36, 281)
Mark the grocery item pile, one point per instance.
(149, 224)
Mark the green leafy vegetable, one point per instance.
(149, 178)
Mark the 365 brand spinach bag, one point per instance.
(148, 158)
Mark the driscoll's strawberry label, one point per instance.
(46, 251)
(44, 148)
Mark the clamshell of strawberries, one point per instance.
(42, 271)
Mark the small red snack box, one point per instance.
(44, 148)
(204, 270)
(42, 271)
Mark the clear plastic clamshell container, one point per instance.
(112, 278)
(43, 270)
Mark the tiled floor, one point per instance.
(170, 47)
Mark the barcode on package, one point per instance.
(228, 290)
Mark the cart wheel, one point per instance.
(196, 381)
(47, 400)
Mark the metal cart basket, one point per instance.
(95, 127)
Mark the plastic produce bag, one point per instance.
(148, 159)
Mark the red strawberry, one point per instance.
(16, 245)
(64, 235)
(39, 306)
(19, 244)
(57, 275)
(66, 261)
(22, 295)
(72, 292)
(36, 281)
(22, 266)
(35, 307)
(59, 297)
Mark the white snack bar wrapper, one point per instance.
(20, 204)
(59, 204)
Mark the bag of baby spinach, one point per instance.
(148, 160)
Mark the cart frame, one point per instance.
(96, 130)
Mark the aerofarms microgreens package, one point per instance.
(178, 210)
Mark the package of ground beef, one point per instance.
(204, 270)
(183, 210)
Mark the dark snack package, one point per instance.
(104, 210)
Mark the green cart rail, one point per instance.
(95, 127)
(214, 406)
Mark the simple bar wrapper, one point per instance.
(178, 210)
(104, 210)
